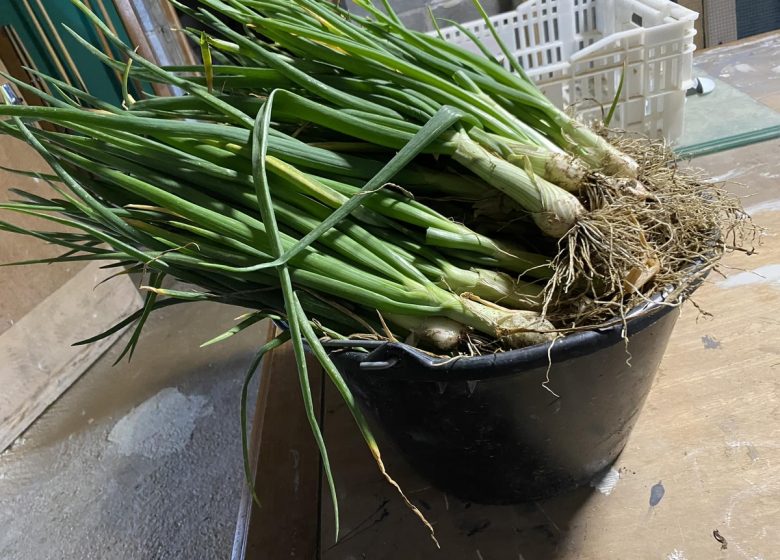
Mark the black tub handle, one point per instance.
(378, 347)
(353, 343)
(379, 366)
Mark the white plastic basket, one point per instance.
(575, 50)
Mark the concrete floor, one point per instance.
(141, 460)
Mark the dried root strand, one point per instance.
(639, 238)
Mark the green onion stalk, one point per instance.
(198, 204)
(323, 169)
(415, 73)
(366, 90)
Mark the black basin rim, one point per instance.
(514, 362)
(475, 368)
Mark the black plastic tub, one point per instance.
(487, 430)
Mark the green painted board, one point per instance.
(100, 80)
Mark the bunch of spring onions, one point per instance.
(336, 172)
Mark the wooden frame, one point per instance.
(14, 57)
(188, 56)
(164, 21)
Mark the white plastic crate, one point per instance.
(575, 50)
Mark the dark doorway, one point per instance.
(757, 16)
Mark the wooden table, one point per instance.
(709, 435)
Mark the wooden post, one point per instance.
(104, 45)
(164, 21)
(287, 466)
(137, 36)
(61, 45)
(49, 49)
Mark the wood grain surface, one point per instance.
(37, 359)
(21, 289)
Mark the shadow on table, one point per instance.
(376, 525)
(465, 531)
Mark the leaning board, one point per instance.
(37, 359)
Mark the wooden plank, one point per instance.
(103, 40)
(14, 64)
(241, 537)
(131, 23)
(37, 359)
(106, 17)
(184, 47)
(155, 27)
(287, 467)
